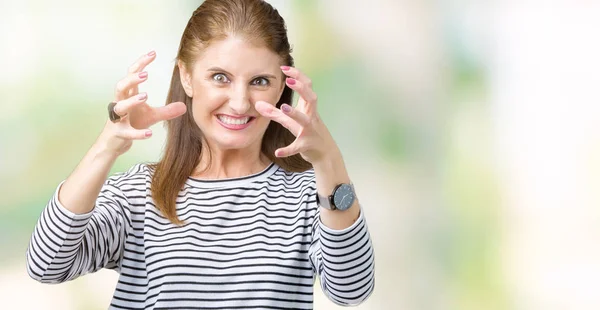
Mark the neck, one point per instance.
(226, 164)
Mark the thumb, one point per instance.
(287, 151)
(169, 111)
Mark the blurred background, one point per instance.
(471, 130)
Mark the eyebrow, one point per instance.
(218, 69)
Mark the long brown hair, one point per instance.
(256, 20)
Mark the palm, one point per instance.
(302, 106)
(141, 115)
(313, 139)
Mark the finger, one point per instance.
(135, 134)
(130, 81)
(168, 112)
(305, 92)
(271, 112)
(289, 150)
(152, 115)
(142, 62)
(299, 117)
(296, 74)
(125, 106)
(137, 67)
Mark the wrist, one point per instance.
(330, 161)
(102, 151)
(109, 145)
(330, 172)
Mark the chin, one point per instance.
(233, 141)
(232, 144)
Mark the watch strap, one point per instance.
(325, 201)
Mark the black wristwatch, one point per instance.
(341, 198)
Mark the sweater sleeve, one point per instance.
(65, 245)
(344, 261)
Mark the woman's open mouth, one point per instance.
(234, 123)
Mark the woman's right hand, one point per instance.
(136, 115)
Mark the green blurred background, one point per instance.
(470, 129)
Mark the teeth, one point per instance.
(233, 121)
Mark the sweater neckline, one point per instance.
(232, 182)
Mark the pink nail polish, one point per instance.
(143, 75)
(290, 81)
(148, 133)
(286, 108)
(152, 53)
(285, 68)
(142, 96)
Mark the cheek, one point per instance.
(207, 98)
(271, 96)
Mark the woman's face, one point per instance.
(227, 80)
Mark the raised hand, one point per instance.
(136, 115)
(313, 139)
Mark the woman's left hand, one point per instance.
(313, 139)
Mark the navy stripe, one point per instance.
(254, 242)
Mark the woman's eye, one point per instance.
(260, 82)
(220, 77)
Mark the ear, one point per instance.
(186, 79)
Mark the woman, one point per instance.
(249, 202)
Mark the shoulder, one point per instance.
(138, 174)
(281, 175)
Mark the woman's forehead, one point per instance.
(239, 57)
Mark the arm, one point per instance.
(341, 250)
(329, 172)
(344, 261)
(65, 245)
(83, 226)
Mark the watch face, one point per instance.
(343, 197)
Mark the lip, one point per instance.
(235, 126)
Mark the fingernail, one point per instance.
(290, 81)
(143, 75)
(148, 133)
(142, 96)
(152, 53)
(286, 108)
(285, 68)
(277, 154)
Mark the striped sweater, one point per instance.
(253, 242)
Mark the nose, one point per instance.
(239, 99)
